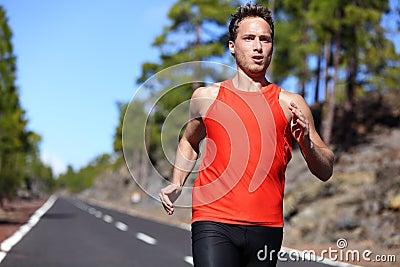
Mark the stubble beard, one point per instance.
(251, 68)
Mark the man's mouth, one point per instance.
(258, 59)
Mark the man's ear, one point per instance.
(231, 45)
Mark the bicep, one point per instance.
(195, 129)
(194, 133)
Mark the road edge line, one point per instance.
(187, 227)
(11, 241)
(321, 260)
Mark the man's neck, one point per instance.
(251, 84)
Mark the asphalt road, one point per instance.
(74, 233)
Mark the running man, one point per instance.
(249, 124)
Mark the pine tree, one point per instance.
(342, 37)
(197, 32)
(13, 135)
(19, 153)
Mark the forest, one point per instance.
(333, 53)
(21, 168)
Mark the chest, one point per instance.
(253, 112)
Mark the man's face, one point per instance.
(253, 46)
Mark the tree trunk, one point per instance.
(328, 121)
(317, 77)
(2, 189)
(327, 54)
(348, 104)
(304, 42)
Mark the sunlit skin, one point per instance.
(252, 50)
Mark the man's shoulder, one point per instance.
(210, 91)
(289, 96)
(203, 97)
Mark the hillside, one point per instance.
(360, 203)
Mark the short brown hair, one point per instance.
(247, 11)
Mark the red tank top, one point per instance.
(248, 146)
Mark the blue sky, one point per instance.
(75, 60)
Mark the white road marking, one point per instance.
(107, 218)
(189, 260)
(121, 226)
(146, 238)
(81, 205)
(33, 221)
(2, 255)
(7, 244)
(92, 211)
(98, 214)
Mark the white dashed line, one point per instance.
(189, 260)
(98, 214)
(121, 226)
(146, 238)
(81, 206)
(92, 211)
(107, 218)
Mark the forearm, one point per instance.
(185, 160)
(319, 159)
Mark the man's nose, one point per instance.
(257, 45)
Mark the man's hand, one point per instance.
(168, 195)
(318, 156)
(299, 126)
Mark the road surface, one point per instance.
(74, 233)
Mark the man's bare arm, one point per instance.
(186, 155)
(188, 150)
(318, 156)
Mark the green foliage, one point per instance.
(292, 26)
(35, 169)
(197, 32)
(118, 133)
(19, 156)
(367, 57)
(76, 181)
(164, 108)
(305, 33)
(133, 129)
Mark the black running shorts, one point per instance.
(225, 245)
